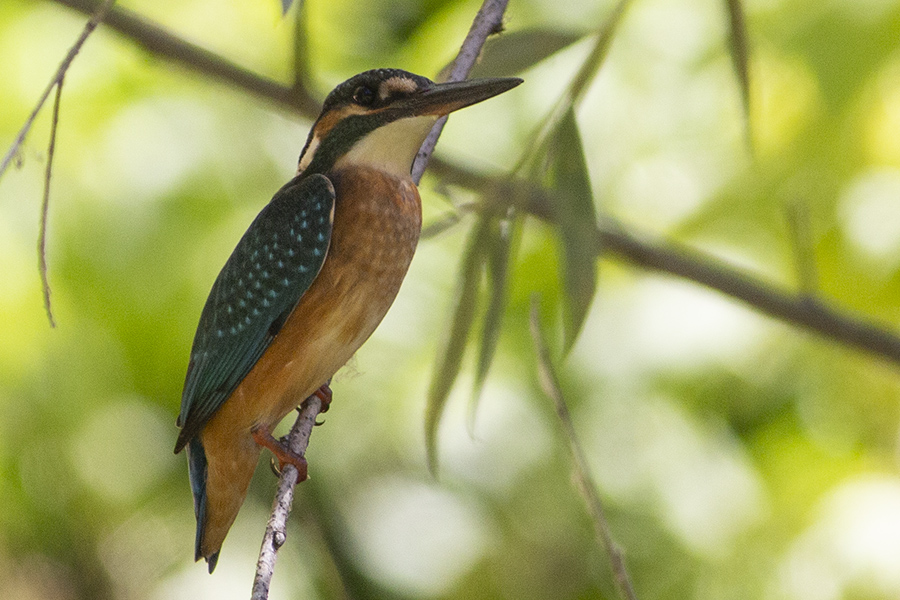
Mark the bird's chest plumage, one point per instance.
(377, 220)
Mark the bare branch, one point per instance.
(89, 27)
(45, 205)
(550, 384)
(276, 529)
(159, 41)
(488, 20)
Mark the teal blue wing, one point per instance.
(271, 268)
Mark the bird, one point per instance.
(308, 283)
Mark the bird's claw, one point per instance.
(279, 449)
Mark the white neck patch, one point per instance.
(390, 148)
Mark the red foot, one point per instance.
(263, 436)
(324, 394)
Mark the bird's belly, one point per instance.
(376, 228)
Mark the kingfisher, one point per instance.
(308, 283)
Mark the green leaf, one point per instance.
(451, 355)
(576, 223)
(740, 54)
(511, 53)
(503, 243)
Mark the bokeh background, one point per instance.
(738, 457)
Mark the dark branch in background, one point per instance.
(550, 384)
(45, 205)
(488, 20)
(687, 263)
(160, 42)
(834, 324)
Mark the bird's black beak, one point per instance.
(444, 98)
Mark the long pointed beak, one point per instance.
(444, 98)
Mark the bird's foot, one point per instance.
(263, 436)
(324, 394)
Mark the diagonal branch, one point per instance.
(488, 20)
(158, 41)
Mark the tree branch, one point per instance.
(488, 20)
(674, 259)
(160, 42)
(276, 528)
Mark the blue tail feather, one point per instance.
(197, 469)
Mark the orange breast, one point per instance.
(377, 220)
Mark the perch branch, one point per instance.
(489, 19)
(276, 528)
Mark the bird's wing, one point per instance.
(269, 271)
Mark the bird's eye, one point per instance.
(364, 95)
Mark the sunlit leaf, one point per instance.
(451, 354)
(501, 253)
(576, 219)
(512, 53)
(740, 52)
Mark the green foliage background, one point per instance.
(738, 457)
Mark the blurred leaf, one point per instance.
(511, 53)
(576, 219)
(450, 358)
(740, 54)
(571, 98)
(500, 254)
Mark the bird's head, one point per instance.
(380, 118)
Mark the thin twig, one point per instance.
(488, 20)
(276, 529)
(550, 384)
(45, 205)
(89, 27)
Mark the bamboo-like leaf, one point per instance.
(512, 53)
(502, 251)
(451, 354)
(740, 54)
(576, 223)
(573, 95)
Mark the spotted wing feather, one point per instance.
(271, 268)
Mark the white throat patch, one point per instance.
(391, 148)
